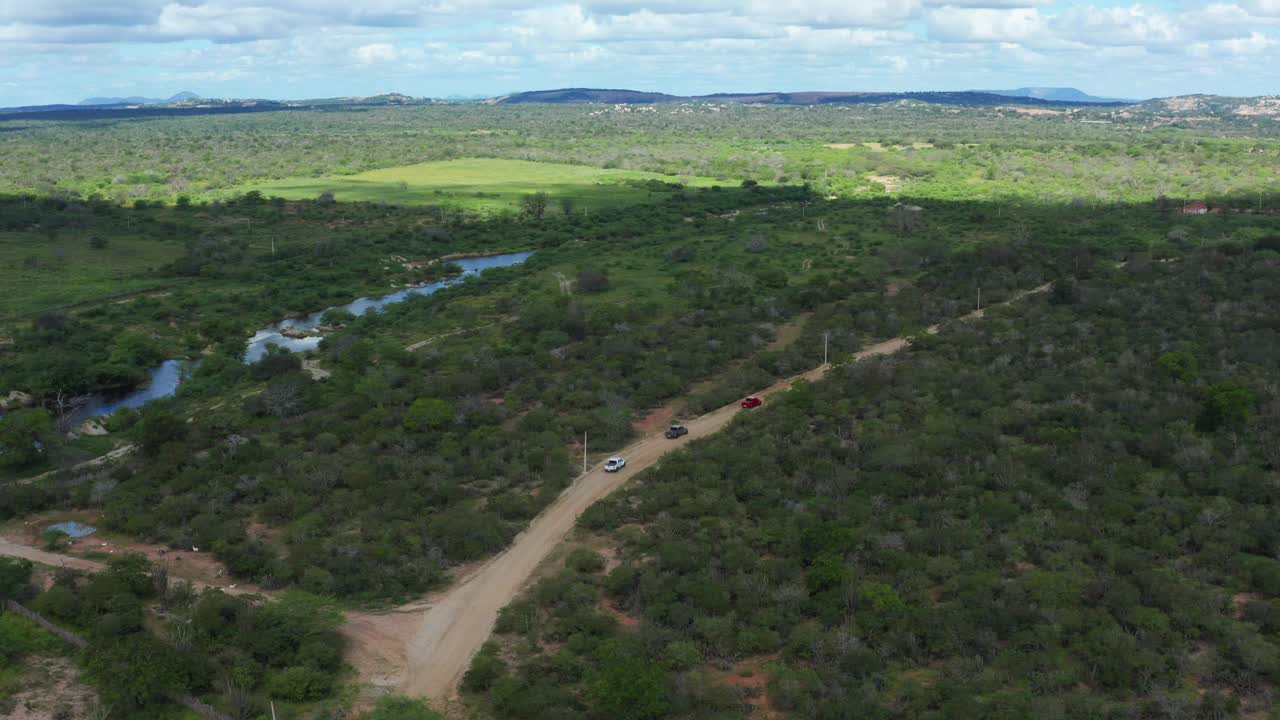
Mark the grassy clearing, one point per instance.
(480, 184)
(43, 272)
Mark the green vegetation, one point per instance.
(484, 185)
(152, 641)
(933, 151)
(1066, 509)
(20, 641)
(1018, 516)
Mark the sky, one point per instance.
(66, 50)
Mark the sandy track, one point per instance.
(101, 460)
(455, 627)
(15, 549)
(461, 620)
(424, 648)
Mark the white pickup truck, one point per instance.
(614, 464)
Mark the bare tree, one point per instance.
(65, 406)
(906, 217)
(282, 399)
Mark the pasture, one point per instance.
(46, 272)
(483, 184)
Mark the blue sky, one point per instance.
(65, 50)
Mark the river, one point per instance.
(166, 378)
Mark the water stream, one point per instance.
(166, 378)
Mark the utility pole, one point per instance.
(826, 341)
(979, 297)
(584, 452)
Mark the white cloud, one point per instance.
(675, 45)
(985, 25)
(376, 53)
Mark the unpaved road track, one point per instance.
(13, 549)
(10, 548)
(113, 455)
(455, 626)
(424, 648)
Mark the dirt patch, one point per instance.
(376, 649)
(91, 552)
(312, 367)
(657, 420)
(752, 676)
(1239, 601)
(607, 605)
(789, 332)
(610, 555)
(1183, 104)
(1031, 110)
(50, 684)
(1260, 106)
(890, 182)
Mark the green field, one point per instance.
(45, 272)
(480, 184)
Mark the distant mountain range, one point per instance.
(1059, 94)
(135, 100)
(187, 103)
(968, 98)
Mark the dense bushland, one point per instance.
(1066, 510)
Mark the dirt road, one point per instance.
(10, 548)
(461, 620)
(13, 549)
(113, 455)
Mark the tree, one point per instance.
(428, 414)
(15, 573)
(624, 684)
(534, 206)
(1226, 405)
(160, 427)
(22, 437)
(137, 670)
(593, 281)
(1182, 366)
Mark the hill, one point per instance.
(965, 98)
(584, 95)
(138, 100)
(1059, 94)
(1190, 107)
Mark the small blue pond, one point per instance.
(74, 529)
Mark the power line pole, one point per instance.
(584, 452)
(979, 297)
(826, 341)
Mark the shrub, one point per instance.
(585, 561)
(299, 684)
(394, 707)
(593, 281)
(486, 669)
